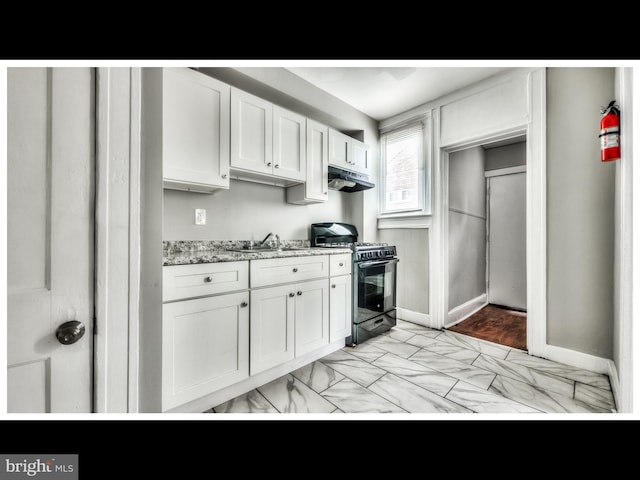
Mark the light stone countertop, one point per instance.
(185, 253)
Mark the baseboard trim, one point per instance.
(423, 319)
(578, 359)
(465, 310)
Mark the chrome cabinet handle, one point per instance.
(295, 269)
(299, 293)
(291, 294)
(268, 164)
(341, 264)
(244, 304)
(277, 165)
(333, 286)
(224, 175)
(208, 279)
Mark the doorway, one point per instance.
(487, 242)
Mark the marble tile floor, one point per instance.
(417, 370)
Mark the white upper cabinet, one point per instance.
(339, 149)
(251, 133)
(267, 142)
(289, 144)
(348, 153)
(315, 189)
(195, 143)
(360, 161)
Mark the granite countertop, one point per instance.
(190, 252)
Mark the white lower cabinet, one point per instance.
(288, 321)
(205, 345)
(225, 323)
(312, 316)
(272, 327)
(340, 307)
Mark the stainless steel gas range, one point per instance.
(374, 278)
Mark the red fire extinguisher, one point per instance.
(610, 133)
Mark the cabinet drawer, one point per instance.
(272, 271)
(340, 264)
(197, 280)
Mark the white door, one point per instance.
(507, 240)
(340, 307)
(251, 132)
(195, 138)
(312, 316)
(360, 157)
(272, 328)
(317, 161)
(339, 149)
(289, 144)
(50, 221)
(205, 345)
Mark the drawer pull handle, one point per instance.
(299, 292)
(224, 175)
(292, 294)
(268, 164)
(341, 264)
(208, 279)
(244, 304)
(295, 270)
(333, 286)
(277, 165)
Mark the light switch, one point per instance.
(201, 216)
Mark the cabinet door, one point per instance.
(205, 346)
(340, 307)
(317, 161)
(312, 316)
(195, 144)
(360, 157)
(272, 327)
(289, 144)
(251, 132)
(339, 149)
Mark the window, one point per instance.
(404, 172)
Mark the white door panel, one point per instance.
(507, 240)
(50, 222)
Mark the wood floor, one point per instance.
(496, 324)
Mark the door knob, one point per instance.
(70, 332)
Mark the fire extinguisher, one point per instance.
(610, 133)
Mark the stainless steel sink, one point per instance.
(253, 249)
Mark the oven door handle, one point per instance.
(375, 263)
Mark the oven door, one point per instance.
(374, 288)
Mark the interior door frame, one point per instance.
(117, 239)
(534, 130)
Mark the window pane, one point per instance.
(403, 157)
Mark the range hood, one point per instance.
(346, 181)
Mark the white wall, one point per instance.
(412, 246)
(467, 226)
(248, 211)
(580, 212)
(506, 156)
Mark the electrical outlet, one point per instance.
(201, 216)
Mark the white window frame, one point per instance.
(419, 218)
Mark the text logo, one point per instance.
(49, 467)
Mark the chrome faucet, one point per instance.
(262, 243)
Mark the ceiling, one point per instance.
(382, 92)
